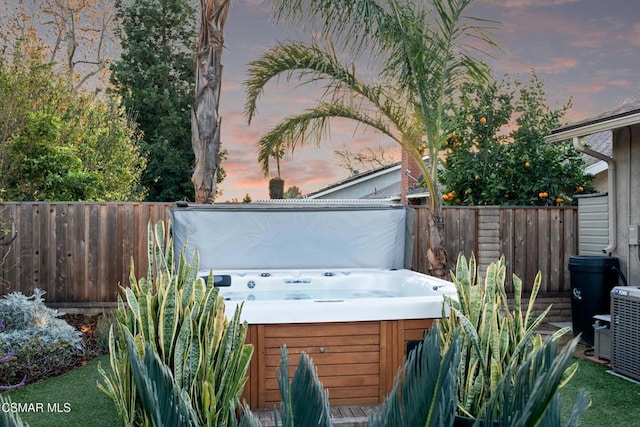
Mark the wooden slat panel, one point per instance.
(328, 359)
(542, 255)
(353, 401)
(337, 396)
(570, 245)
(330, 370)
(326, 349)
(329, 329)
(555, 239)
(417, 324)
(326, 340)
(341, 381)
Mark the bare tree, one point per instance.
(74, 33)
(205, 119)
(363, 160)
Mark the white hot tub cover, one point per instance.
(291, 235)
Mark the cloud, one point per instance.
(634, 36)
(557, 65)
(530, 3)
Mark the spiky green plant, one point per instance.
(496, 339)
(304, 401)
(10, 418)
(182, 319)
(424, 390)
(164, 403)
(527, 394)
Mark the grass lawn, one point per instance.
(79, 402)
(614, 401)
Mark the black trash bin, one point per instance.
(592, 278)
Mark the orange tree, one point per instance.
(497, 154)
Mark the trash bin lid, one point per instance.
(595, 263)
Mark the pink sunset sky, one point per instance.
(587, 50)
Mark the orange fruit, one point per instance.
(483, 120)
(580, 189)
(527, 165)
(559, 200)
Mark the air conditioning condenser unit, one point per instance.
(625, 331)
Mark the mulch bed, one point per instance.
(88, 326)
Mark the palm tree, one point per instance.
(205, 119)
(423, 50)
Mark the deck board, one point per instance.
(344, 416)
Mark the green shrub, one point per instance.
(42, 344)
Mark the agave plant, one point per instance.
(496, 339)
(182, 319)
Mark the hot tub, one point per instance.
(356, 324)
(328, 279)
(336, 295)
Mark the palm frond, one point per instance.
(425, 388)
(247, 419)
(312, 124)
(311, 64)
(356, 25)
(304, 400)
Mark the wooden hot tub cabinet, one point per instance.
(356, 361)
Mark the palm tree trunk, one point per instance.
(205, 119)
(436, 254)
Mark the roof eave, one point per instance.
(570, 132)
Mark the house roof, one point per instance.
(625, 115)
(600, 142)
(355, 179)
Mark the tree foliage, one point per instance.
(497, 154)
(58, 144)
(154, 77)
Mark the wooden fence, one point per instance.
(76, 252)
(80, 252)
(532, 239)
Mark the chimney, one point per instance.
(407, 179)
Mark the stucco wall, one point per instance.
(626, 152)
